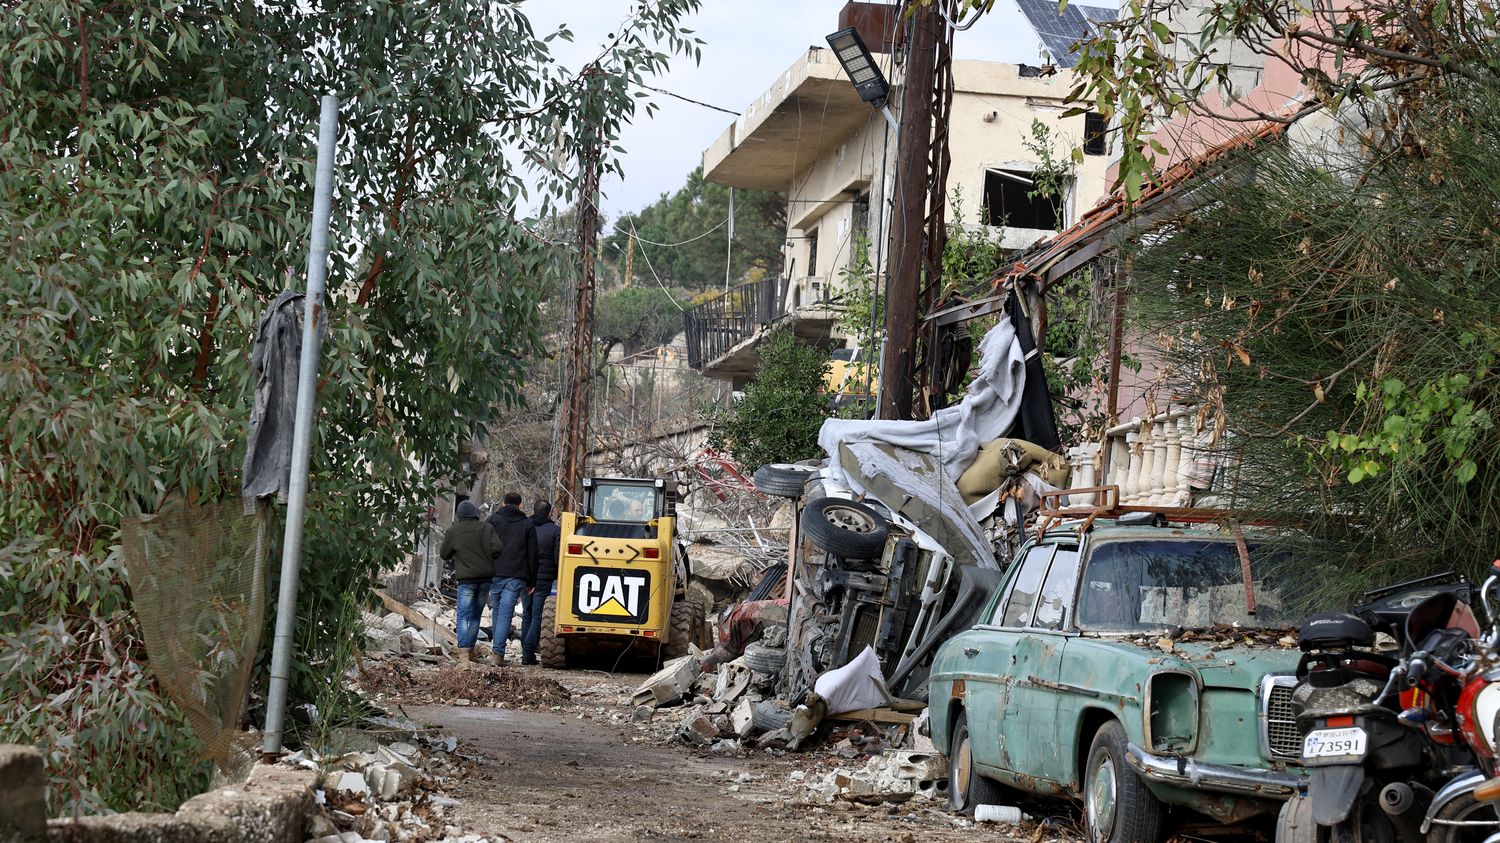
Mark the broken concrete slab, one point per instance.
(270, 807)
(742, 718)
(669, 684)
(733, 680)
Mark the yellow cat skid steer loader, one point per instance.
(621, 577)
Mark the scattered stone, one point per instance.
(351, 782)
(643, 714)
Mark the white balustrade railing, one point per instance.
(1157, 461)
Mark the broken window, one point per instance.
(1095, 141)
(812, 253)
(862, 216)
(1007, 202)
(1015, 610)
(1057, 591)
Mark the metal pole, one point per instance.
(307, 385)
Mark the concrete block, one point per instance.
(741, 720)
(23, 794)
(669, 684)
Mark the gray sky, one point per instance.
(750, 43)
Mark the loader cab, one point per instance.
(625, 508)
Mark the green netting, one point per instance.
(198, 583)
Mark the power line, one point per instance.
(647, 258)
(687, 99)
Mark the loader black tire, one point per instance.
(845, 528)
(552, 649)
(686, 628)
(783, 480)
(762, 659)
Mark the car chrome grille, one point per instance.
(1278, 725)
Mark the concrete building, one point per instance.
(811, 137)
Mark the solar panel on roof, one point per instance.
(1059, 31)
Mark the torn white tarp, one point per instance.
(953, 434)
(951, 438)
(858, 684)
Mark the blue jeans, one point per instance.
(531, 620)
(504, 592)
(470, 607)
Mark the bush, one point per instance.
(778, 418)
(74, 682)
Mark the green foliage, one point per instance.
(638, 317)
(73, 681)
(971, 255)
(778, 417)
(694, 219)
(1337, 318)
(1052, 175)
(155, 192)
(1077, 359)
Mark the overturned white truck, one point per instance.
(901, 526)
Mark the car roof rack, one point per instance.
(1054, 512)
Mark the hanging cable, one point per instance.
(647, 259)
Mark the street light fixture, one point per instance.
(862, 70)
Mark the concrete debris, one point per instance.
(392, 791)
(742, 719)
(670, 684)
(893, 776)
(733, 680)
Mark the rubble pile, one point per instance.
(391, 634)
(482, 686)
(392, 789)
(733, 711)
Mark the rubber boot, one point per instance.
(463, 657)
(497, 658)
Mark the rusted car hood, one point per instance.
(1238, 666)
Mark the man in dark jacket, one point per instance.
(473, 547)
(515, 570)
(548, 534)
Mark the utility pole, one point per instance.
(630, 259)
(908, 217)
(578, 376)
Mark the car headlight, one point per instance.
(1171, 714)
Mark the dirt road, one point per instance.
(587, 774)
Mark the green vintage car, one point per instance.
(1121, 664)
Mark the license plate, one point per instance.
(1334, 743)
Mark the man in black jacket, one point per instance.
(472, 546)
(515, 570)
(548, 534)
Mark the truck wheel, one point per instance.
(966, 788)
(686, 627)
(552, 649)
(845, 528)
(783, 480)
(1117, 805)
(763, 659)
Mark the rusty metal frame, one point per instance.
(1052, 512)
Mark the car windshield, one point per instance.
(1133, 584)
(633, 504)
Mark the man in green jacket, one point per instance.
(473, 547)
